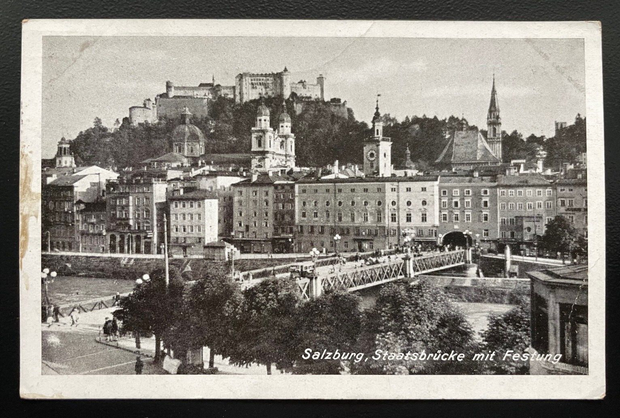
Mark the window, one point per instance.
(444, 193)
(366, 217)
(519, 206)
(548, 204)
(485, 233)
(485, 203)
(511, 221)
(424, 202)
(529, 193)
(467, 216)
(485, 216)
(408, 217)
(539, 205)
(539, 192)
(340, 203)
(315, 203)
(455, 192)
(365, 190)
(502, 221)
(339, 216)
(485, 192)
(424, 217)
(467, 192)
(327, 203)
(571, 203)
(352, 216)
(511, 193)
(562, 203)
(352, 190)
(444, 204)
(191, 205)
(423, 189)
(303, 214)
(444, 217)
(393, 217)
(407, 189)
(326, 214)
(455, 203)
(352, 202)
(520, 193)
(530, 206)
(379, 203)
(502, 192)
(315, 214)
(502, 206)
(548, 219)
(455, 217)
(548, 192)
(379, 217)
(408, 202)
(468, 203)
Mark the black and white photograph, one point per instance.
(372, 205)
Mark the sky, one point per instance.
(538, 81)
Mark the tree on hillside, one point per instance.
(414, 318)
(152, 307)
(567, 144)
(509, 331)
(330, 322)
(265, 324)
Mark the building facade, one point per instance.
(147, 113)
(135, 211)
(526, 205)
(272, 151)
(468, 210)
(252, 86)
(572, 203)
(221, 185)
(283, 216)
(193, 222)
(91, 220)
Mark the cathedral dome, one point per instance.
(186, 132)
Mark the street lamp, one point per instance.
(337, 238)
(145, 278)
(314, 253)
(46, 278)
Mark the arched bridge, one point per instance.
(375, 275)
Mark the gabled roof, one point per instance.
(171, 157)
(67, 180)
(467, 147)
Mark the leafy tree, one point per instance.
(559, 235)
(332, 321)
(567, 144)
(265, 324)
(212, 304)
(154, 308)
(509, 331)
(415, 318)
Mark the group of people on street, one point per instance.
(110, 329)
(52, 314)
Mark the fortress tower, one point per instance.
(64, 158)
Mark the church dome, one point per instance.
(285, 118)
(186, 132)
(262, 110)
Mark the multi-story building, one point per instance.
(283, 215)
(468, 207)
(91, 220)
(221, 183)
(60, 226)
(367, 213)
(526, 204)
(251, 86)
(193, 222)
(253, 213)
(135, 210)
(572, 202)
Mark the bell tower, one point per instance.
(494, 124)
(64, 158)
(263, 140)
(377, 149)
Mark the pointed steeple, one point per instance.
(494, 105)
(377, 114)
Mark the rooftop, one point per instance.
(570, 275)
(523, 180)
(67, 180)
(467, 147)
(196, 195)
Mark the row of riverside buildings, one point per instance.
(262, 202)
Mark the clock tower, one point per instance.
(378, 149)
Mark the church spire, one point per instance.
(494, 124)
(494, 105)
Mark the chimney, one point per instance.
(539, 165)
(336, 168)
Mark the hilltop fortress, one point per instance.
(248, 86)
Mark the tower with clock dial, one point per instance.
(378, 149)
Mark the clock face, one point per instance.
(371, 155)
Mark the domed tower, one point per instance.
(64, 158)
(286, 139)
(187, 139)
(494, 124)
(377, 149)
(263, 140)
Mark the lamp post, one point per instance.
(467, 234)
(314, 253)
(439, 241)
(47, 277)
(49, 241)
(337, 238)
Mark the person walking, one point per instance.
(139, 365)
(107, 325)
(114, 329)
(57, 313)
(75, 316)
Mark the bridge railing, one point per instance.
(437, 261)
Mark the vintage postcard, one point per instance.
(312, 210)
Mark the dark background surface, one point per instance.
(11, 14)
